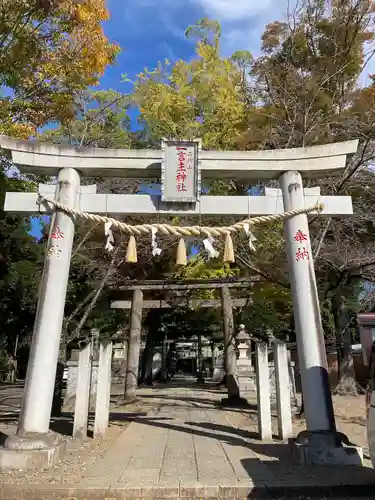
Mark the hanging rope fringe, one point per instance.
(131, 252)
(166, 229)
(208, 246)
(251, 237)
(181, 258)
(154, 245)
(108, 233)
(228, 250)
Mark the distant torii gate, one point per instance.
(137, 304)
(178, 198)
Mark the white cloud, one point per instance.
(243, 21)
(235, 10)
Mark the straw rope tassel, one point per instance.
(181, 259)
(131, 252)
(228, 249)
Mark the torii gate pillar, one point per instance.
(308, 323)
(34, 445)
(320, 444)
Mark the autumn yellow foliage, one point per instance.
(49, 50)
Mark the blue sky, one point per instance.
(149, 31)
(152, 30)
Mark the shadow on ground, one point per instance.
(275, 456)
(64, 425)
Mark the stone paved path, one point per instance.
(181, 438)
(181, 444)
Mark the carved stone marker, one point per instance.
(263, 392)
(82, 401)
(103, 392)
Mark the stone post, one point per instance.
(320, 443)
(230, 358)
(103, 389)
(284, 413)
(200, 378)
(213, 357)
(163, 374)
(132, 368)
(33, 427)
(263, 392)
(292, 382)
(82, 403)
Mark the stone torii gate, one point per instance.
(34, 445)
(137, 304)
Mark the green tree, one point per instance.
(21, 262)
(202, 98)
(100, 120)
(306, 80)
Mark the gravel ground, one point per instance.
(350, 413)
(80, 456)
(350, 420)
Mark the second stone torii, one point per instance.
(137, 304)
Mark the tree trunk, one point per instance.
(112, 266)
(347, 383)
(64, 336)
(230, 360)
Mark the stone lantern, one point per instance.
(245, 371)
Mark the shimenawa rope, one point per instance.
(167, 229)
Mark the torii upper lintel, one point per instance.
(48, 159)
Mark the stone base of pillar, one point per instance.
(294, 406)
(235, 402)
(246, 381)
(32, 451)
(322, 448)
(129, 399)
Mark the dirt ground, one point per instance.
(350, 419)
(81, 454)
(350, 413)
